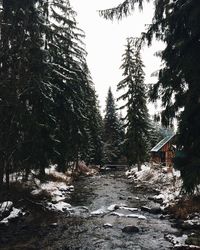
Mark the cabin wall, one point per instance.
(164, 155)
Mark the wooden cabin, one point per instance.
(164, 152)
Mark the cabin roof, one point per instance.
(162, 143)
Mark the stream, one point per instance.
(95, 222)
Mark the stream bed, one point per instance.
(103, 207)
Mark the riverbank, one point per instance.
(48, 194)
(183, 210)
(106, 213)
(102, 211)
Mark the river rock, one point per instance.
(156, 199)
(145, 209)
(107, 225)
(152, 210)
(130, 229)
(113, 207)
(53, 225)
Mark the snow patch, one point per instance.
(14, 214)
(6, 206)
(129, 208)
(60, 206)
(177, 241)
(138, 216)
(168, 183)
(98, 211)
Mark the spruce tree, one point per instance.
(44, 87)
(77, 113)
(178, 85)
(67, 61)
(137, 125)
(112, 136)
(177, 24)
(25, 107)
(94, 146)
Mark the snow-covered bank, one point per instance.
(166, 181)
(184, 209)
(50, 194)
(8, 212)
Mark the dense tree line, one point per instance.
(177, 24)
(113, 133)
(48, 106)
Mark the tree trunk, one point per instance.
(7, 170)
(42, 171)
(27, 172)
(139, 164)
(1, 174)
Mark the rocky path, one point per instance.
(106, 214)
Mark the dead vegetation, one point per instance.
(185, 207)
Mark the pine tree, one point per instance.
(135, 102)
(112, 138)
(177, 24)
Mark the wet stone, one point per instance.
(153, 210)
(53, 225)
(130, 229)
(107, 225)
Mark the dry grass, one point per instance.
(185, 207)
(148, 176)
(56, 178)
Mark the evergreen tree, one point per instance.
(78, 117)
(25, 88)
(67, 60)
(112, 136)
(177, 24)
(94, 152)
(44, 105)
(137, 125)
(178, 84)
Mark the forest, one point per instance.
(50, 116)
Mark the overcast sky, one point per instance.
(105, 42)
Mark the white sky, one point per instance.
(105, 42)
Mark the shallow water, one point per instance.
(81, 230)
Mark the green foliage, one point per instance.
(177, 24)
(137, 120)
(46, 114)
(113, 133)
